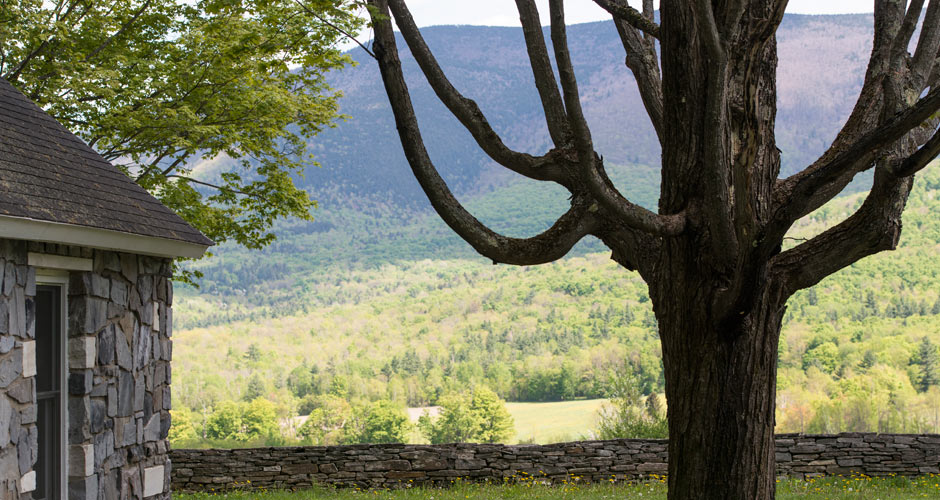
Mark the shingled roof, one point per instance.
(48, 175)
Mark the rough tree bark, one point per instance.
(711, 255)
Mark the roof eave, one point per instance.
(21, 228)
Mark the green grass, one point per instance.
(833, 488)
(545, 423)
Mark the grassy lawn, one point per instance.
(545, 423)
(835, 488)
(542, 423)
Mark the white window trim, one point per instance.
(60, 279)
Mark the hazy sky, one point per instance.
(503, 12)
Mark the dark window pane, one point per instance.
(47, 339)
(49, 365)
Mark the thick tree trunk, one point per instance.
(721, 386)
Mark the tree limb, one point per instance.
(544, 75)
(546, 247)
(334, 27)
(808, 190)
(642, 61)
(633, 215)
(466, 110)
(920, 159)
(874, 227)
(619, 9)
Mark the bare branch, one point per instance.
(619, 9)
(544, 75)
(551, 245)
(874, 227)
(928, 44)
(466, 110)
(642, 61)
(634, 215)
(920, 159)
(334, 27)
(810, 189)
(213, 186)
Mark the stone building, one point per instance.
(85, 317)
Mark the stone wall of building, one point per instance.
(119, 321)
(18, 431)
(396, 465)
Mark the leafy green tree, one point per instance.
(380, 422)
(259, 419)
(157, 85)
(477, 416)
(825, 356)
(225, 422)
(183, 425)
(495, 424)
(629, 414)
(326, 419)
(255, 389)
(929, 362)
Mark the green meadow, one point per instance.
(833, 488)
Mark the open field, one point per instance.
(834, 488)
(544, 423)
(538, 423)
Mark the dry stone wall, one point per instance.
(396, 465)
(118, 353)
(18, 430)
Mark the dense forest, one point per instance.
(859, 350)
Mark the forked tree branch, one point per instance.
(808, 190)
(545, 82)
(551, 245)
(633, 215)
(619, 9)
(466, 110)
(874, 227)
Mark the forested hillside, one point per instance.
(853, 355)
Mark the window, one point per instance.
(50, 377)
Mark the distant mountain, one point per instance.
(373, 211)
(822, 63)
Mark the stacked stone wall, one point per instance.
(18, 430)
(396, 465)
(119, 346)
(118, 354)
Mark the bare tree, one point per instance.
(718, 278)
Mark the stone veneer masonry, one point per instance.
(397, 465)
(119, 349)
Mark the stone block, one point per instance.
(119, 292)
(124, 358)
(82, 352)
(104, 447)
(125, 392)
(81, 460)
(85, 488)
(89, 284)
(105, 346)
(29, 358)
(11, 368)
(87, 315)
(23, 390)
(155, 324)
(152, 429)
(6, 420)
(153, 481)
(28, 482)
(80, 382)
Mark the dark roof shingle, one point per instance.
(49, 174)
